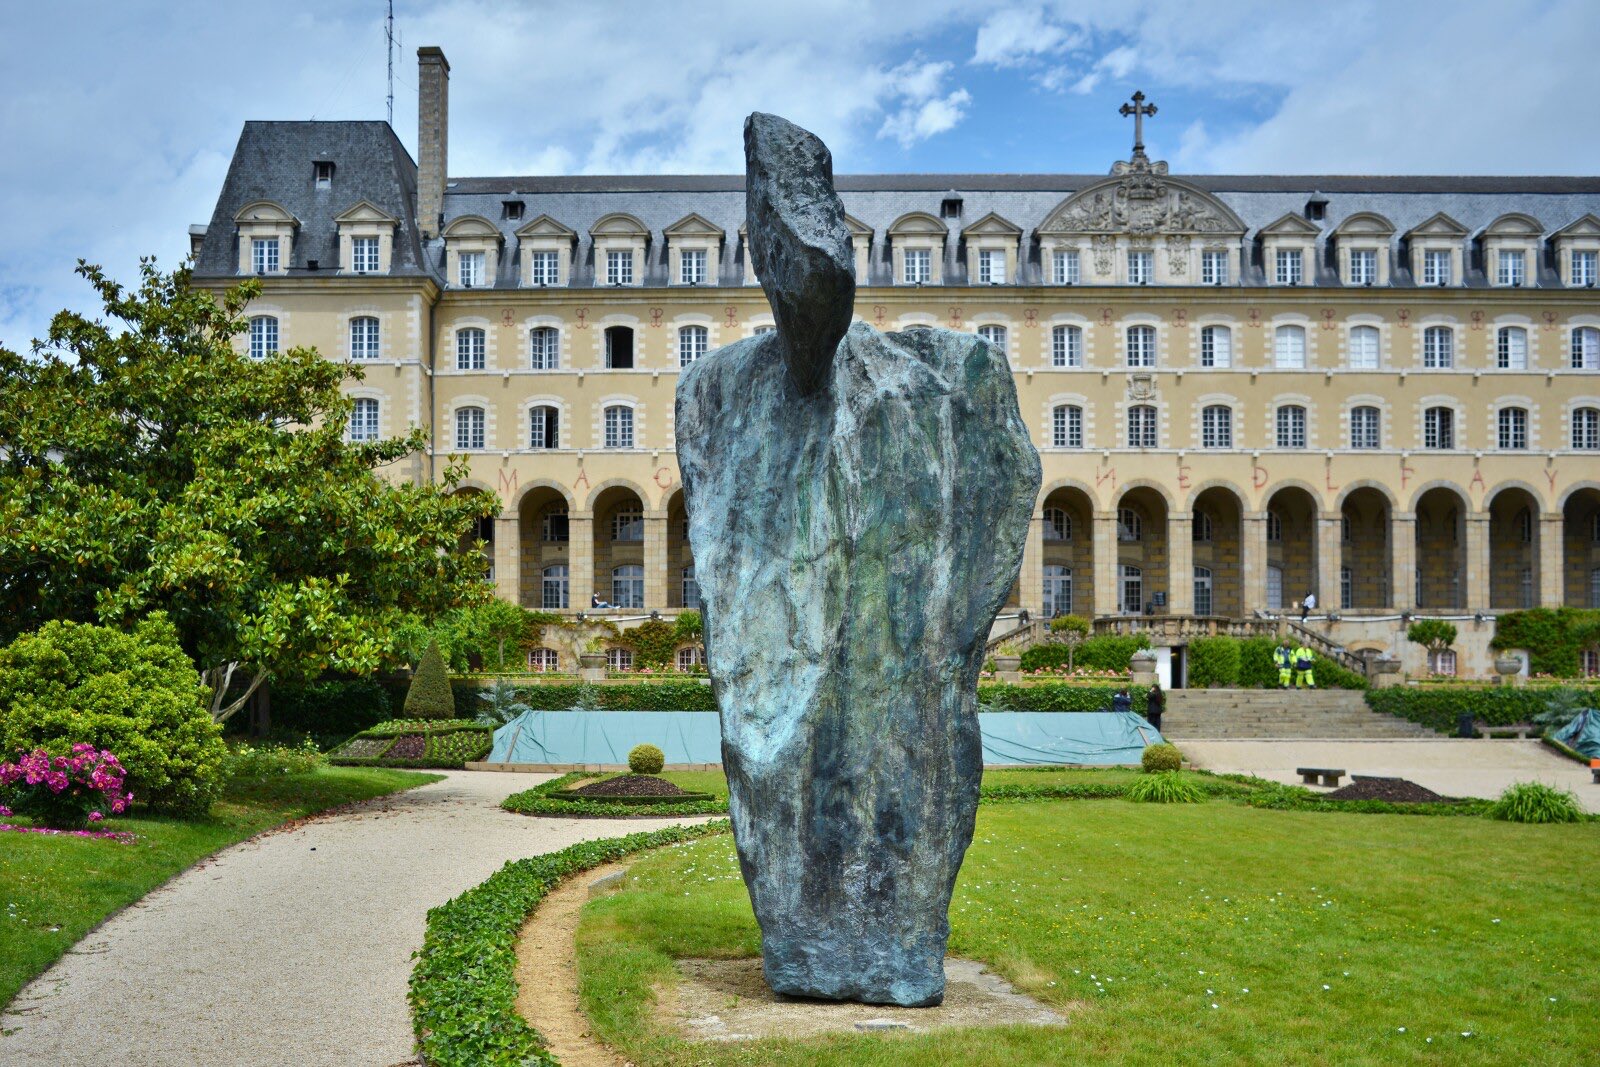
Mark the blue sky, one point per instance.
(118, 120)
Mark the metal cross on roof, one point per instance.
(1138, 109)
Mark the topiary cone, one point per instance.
(429, 696)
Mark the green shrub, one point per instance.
(1554, 637)
(1213, 661)
(1046, 656)
(1110, 652)
(1054, 696)
(653, 642)
(1534, 802)
(1164, 787)
(1437, 707)
(269, 761)
(1069, 624)
(646, 759)
(332, 708)
(1162, 757)
(1433, 634)
(135, 694)
(430, 696)
(1333, 675)
(1257, 668)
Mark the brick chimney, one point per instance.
(433, 136)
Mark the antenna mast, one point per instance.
(388, 36)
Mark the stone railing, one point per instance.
(1024, 635)
(1333, 650)
(1176, 629)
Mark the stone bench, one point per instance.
(1329, 777)
(1509, 731)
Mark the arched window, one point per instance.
(1511, 348)
(470, 348)
(1202, 590)
(627, 523)
(619, 426)
(1586, 428)
(1066, 346)
(995, 335)
(1130, 597)
(619, 347)
(692, 341)
(1274, 587)
(691, 589)
(1142, 426)
(1057, 590)
(1129, 525)
(544, 348)
(1066, 426)
(1216, 346)
(543, 660)
(1347, 596)
(1291, 426)
(765, 329)
(690, 658)
(1366, 427)
(1363, 348)
(1141, 346)
(1513, 428)
(1216, 426)
(554, 587)
(364, 337)
(554, 526)
(1202, 530)
(627, 586)
(1289, 346)
(469, 427)
(1438, 347)
(1057, 525)
(544, 424)
(1586, 348)
(364, 419)
(263, 337)
(619, 659)
(1439, 428)
(1442, 662)
(1274, 526)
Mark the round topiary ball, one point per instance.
(648, 759)
(1162, 757)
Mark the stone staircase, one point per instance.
(1276, 714)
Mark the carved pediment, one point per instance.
(1142, 200)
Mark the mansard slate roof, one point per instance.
(273, 162)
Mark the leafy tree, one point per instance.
(1435, 635)
(430, 696)
(146, 464)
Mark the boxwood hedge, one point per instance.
(1437, 707)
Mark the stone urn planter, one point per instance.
(1007, 664)
(592, 666)
(1509, 668)
(1143, 665)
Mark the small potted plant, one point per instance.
(593, 656)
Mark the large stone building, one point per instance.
(1243, 388)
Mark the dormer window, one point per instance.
(619, 267)
(1290, 266)
(1583, 268)
(364, 254)
(1287, 246)
(1436, 267)
(1509, 244)
(620, 243)
(469, 271)
(692, 266)
(1577, 252)
(545, 246)
(472, 252)
(1511, 269)
(1316, 209)
(264, 255)
(366, 239)
(511, 210)
(322, 174)
(950, 207)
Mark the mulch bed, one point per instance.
(631, 785)
(411, 746)
(1394, 790)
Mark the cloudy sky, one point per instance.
(118, 120)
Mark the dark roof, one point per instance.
(273, 161)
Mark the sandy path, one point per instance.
(290, 948)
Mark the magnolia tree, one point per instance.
(146, 464)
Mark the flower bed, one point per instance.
(66, 792)
(547, 799)
(424, 743)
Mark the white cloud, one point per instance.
(1011, 36)
(926, 110)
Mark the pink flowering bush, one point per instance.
(66, 792)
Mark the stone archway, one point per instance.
(1218, 545)
(1366, 562)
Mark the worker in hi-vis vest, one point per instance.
(1284, 658)
(1303, 661)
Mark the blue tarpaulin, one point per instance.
(1012, 737)
(1582, 734)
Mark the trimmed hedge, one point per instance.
(1553, 637)
(1437, 707)
(1230, 662)
(540, 800)
(464, 987)
(1213, 661)
(430, 695)
(1257, 668)
(1276, 797)
(329, 708)
(1055, 696)
(447, 745)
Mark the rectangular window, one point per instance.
(1511, 267)
(364, 338)
(1142, 426)
(619, 267)
(1214, 268)
(263, 337)
(364, 254)
(1290, 266)
(1289, 347)
(1436, 267)
(1586, 429)
(364, 420)
(1366, 428)
(469, 269)
(1513, 428)
(264, 255)
(1216, 427)
(1586, 348)
(692, 266)
(1141, 268)
(1439, 428)
(919, 266)
(470, 350)
(544, 427)
(1291, 427)
(1347, 598)
(1065, 268)
(1438, 347)
(1364, 348)
(1511, 349)
(1067, 427)
(1364, 266)
(619, 427)
(542, 268)
(1141, 346)
(991, 267)
(322, 174)
(1066, 346)
(1585, 268)
(469, 428)
(1216, 346)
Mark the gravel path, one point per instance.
(1456, 768)
(291, 948)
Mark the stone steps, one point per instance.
(1246, 714)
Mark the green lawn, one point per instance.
(715, 783)
(1153, 921)
(54, 890)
